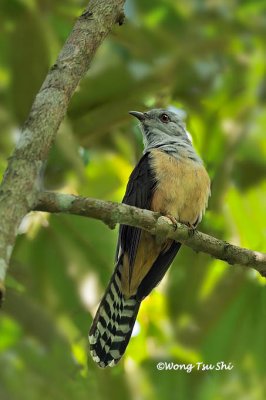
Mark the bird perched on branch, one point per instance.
(169, 178)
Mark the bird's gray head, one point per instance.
(165, 130)
(162, 129)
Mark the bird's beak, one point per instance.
(138, 114)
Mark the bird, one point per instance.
(170, 179)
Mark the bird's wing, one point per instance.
(139, 192)
(157, 270)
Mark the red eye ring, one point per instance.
(164, 118)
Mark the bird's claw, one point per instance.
(173, 220)
(191, 228)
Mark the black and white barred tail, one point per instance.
(113, 324)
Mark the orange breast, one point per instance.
(183, 187)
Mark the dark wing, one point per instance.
(139, 192)
(157, 271)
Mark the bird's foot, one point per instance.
(173, 220)
(160, 231)
(191, 228)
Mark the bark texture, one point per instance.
(112, 213)
(21, 182)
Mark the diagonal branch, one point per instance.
(20, 186)
(112, 213)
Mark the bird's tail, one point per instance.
(113, 324)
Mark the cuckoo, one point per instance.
(170, 178)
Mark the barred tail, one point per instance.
(113, 324)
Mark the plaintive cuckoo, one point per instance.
(169, 178)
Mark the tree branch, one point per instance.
(20, 186)
(112, 213)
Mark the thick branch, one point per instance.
(19, 189)
(112, 213)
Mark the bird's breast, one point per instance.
(183, 187)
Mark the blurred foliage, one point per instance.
(208, 58)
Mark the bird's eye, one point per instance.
(164, 118)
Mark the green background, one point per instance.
(207, 58)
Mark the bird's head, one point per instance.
(161, 126)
